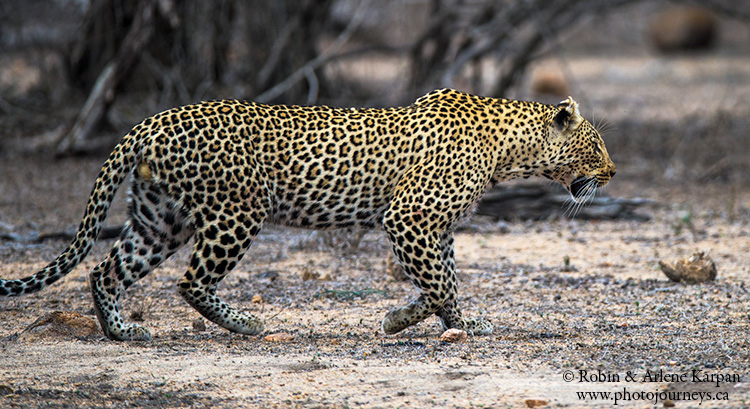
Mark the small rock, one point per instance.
(257, 299)
(454, 335)
(697, 268)
(199, 325)
(668, 404)
(279, 337)
(535, 403)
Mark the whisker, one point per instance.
(575, 205)
(603, 126)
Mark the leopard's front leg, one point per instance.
(449, 313)
(427, 258)
(428, 201)
(427, 264)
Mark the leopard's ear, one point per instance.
(568, 118)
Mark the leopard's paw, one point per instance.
(128, 332)
(397, 320)
(477, 326)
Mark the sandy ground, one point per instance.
(562, 328)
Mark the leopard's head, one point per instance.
(577, 157)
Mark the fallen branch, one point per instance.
(529, 201)
(107, 233)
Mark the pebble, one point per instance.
(454, 335)
(535, 403)
(279, 337)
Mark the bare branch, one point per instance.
(313, 86)
(115, 72)
(281, 43)
(318, 61)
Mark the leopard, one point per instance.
(216, 172)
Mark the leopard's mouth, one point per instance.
(583, 188)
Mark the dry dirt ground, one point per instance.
(563, 328)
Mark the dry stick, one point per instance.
(533, 201)
(554, 18)
(264, 75)
(109, 232)
(731, 8)
(313, 85)
(103, 93)
(490, 36)
(316, 62)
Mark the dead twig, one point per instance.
(318, 61)
(107, 233)
(114, 73)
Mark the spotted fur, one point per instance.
(218, 171)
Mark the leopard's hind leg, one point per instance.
(157, 227)
(224, 230)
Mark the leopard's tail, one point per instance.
(114, 171)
